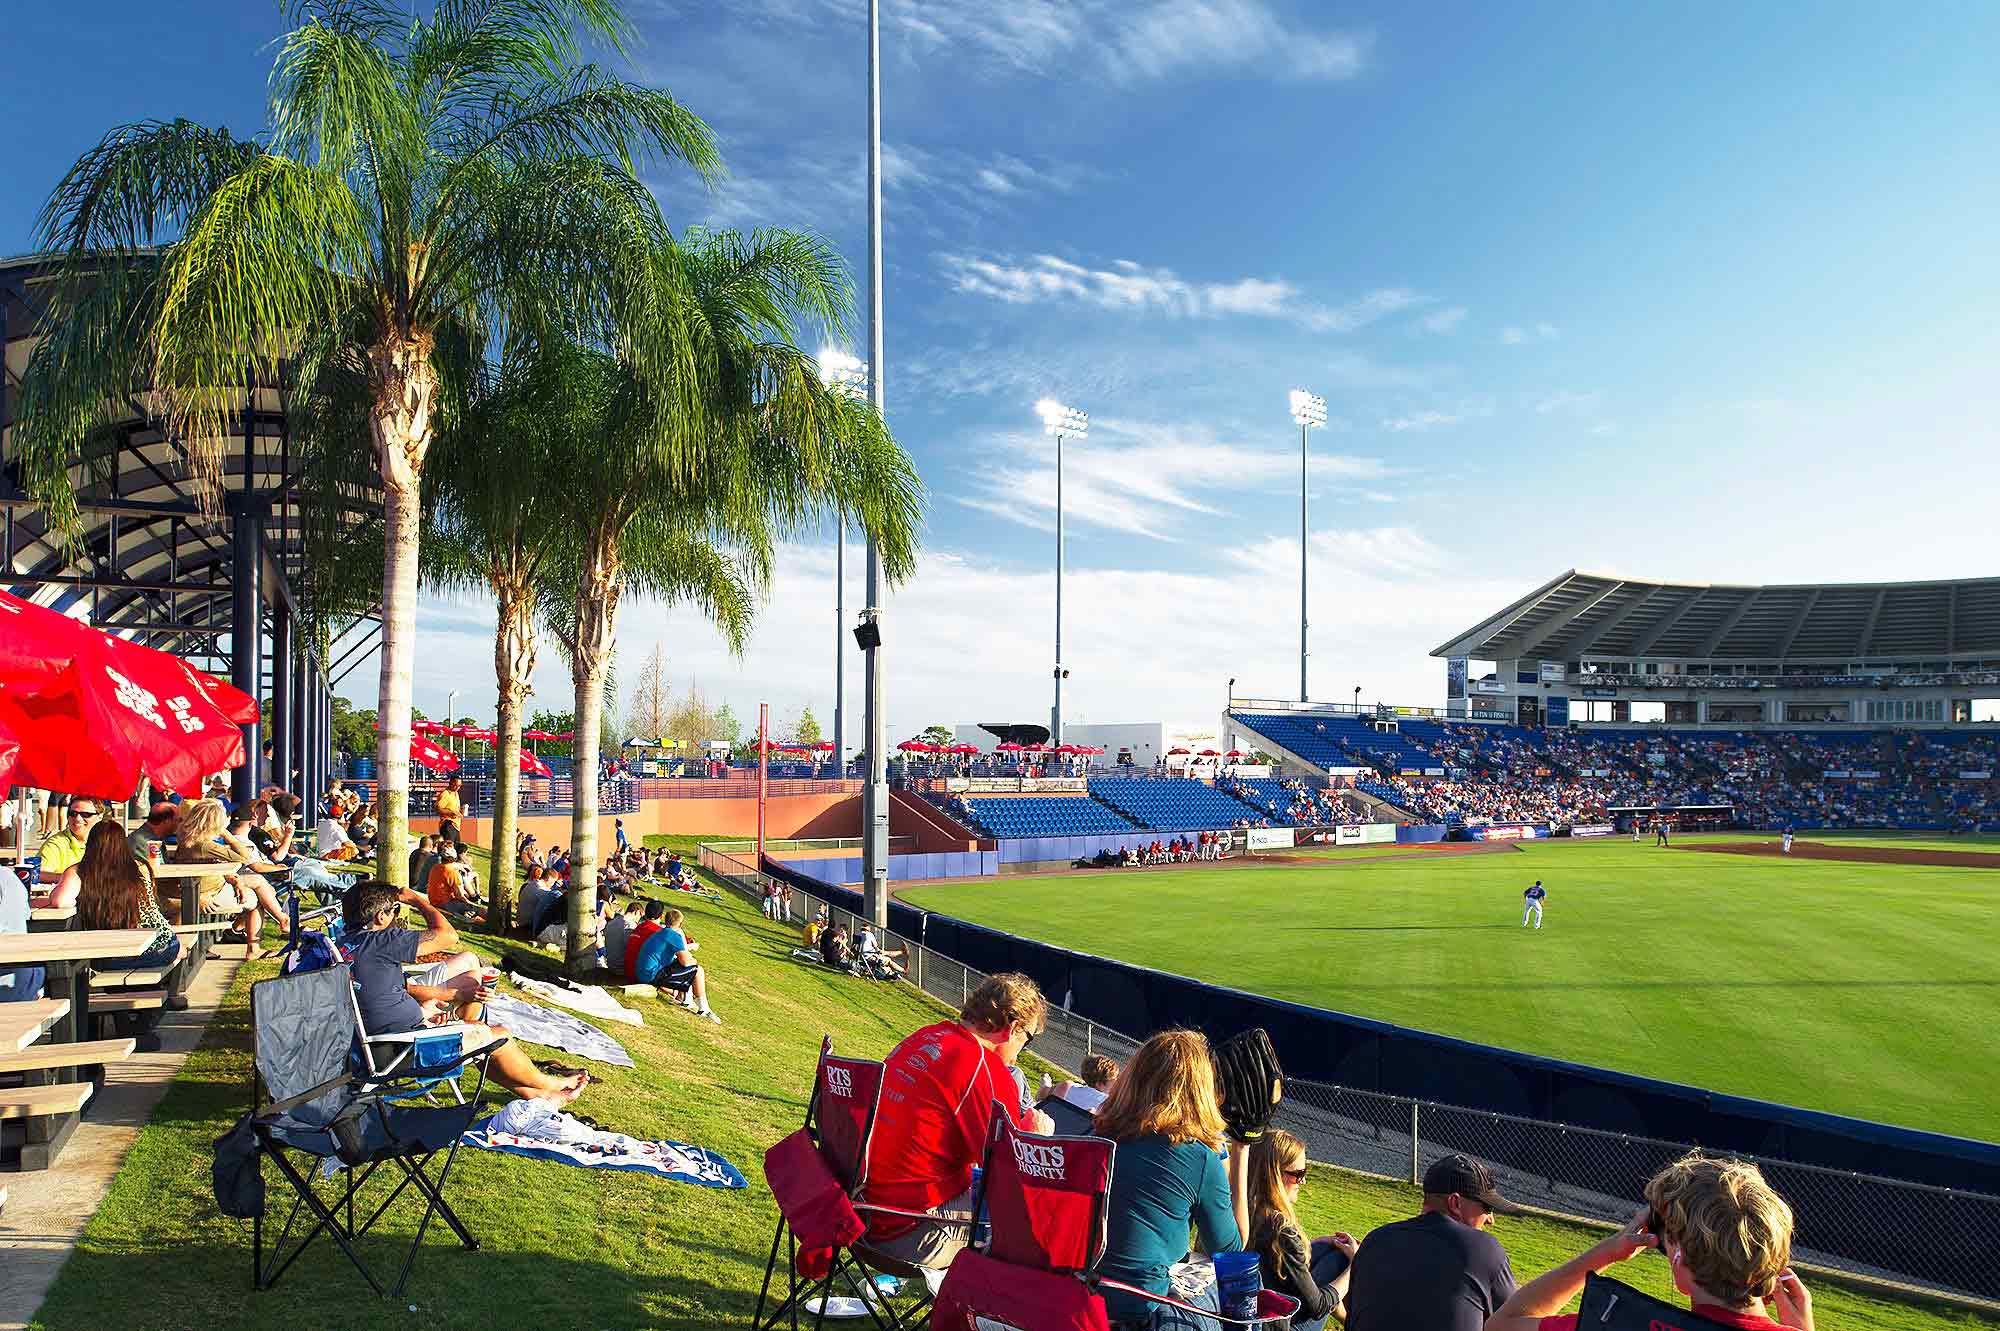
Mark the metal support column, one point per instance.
(299, 724)
(246, 630)
(875, 795)
(281, 700)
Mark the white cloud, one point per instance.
(1443, 321)
(1163, 481)
(1569, 403)
(1420, 421)
(1514, 335)
(970, 639)
(1131, 286)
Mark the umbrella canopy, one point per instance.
(536, 734)
(565, 736)
(1009, 747)
(1173, 752)
(917, 746)
(1208, 753)
(427, 754)
(423, 727)
(965, 749)
(533, 766)
(10, 747)
(824, 746)
(1236, 753)
(90, 713)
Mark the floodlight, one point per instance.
(1058, 419)
(1308, 409)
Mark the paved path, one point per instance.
(47, 1210)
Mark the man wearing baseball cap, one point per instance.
(1439, 1270)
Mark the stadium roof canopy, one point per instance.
(1600, 615)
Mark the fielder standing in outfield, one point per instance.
(1531, 904)
(1786, 848)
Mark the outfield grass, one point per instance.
(566, 1247)
(1862, 989)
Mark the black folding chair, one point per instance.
(312, 1098)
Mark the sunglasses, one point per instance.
(1032, 1037)
(1294, 1175)
(85, 814)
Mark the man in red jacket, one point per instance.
(939, 1089)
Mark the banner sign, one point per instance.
(1015, 785)
(1508, 832)
(1553, 672)
(1975, 776)
(1249, 770)
(957, 784)
(1860, 775)
(1556, 712)
(1840, 775)
(1455, 669)
(1434, 771)
(1488, 686)
(1592, 829)
(1600, 693)
(1364, 834)
(1268, 838)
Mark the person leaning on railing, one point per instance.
(1726, 1234)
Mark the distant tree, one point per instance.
(652, 699)
(806, 731)
(724, 725)
(936, 735)
(353, 731)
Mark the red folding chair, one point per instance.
(1048, 1201)
(818, 1176)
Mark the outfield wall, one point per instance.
(1880, 1224)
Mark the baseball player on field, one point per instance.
(1531, 904)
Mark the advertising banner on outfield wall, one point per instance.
(1508, 832)
(1013, 785)
(1267, 838)
(1364, 834)
(1592, 829)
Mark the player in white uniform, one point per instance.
(1531, 904)
(1635, 831)
(1786, 847)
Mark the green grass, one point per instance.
(1861, 989)
(565, 1247)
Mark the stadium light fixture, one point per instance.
(1062, 422)
(847, 374)
(1308, 410)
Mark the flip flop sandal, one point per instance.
(555, 1069)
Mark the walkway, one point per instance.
(47, 1210)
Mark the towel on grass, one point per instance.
(537, 1128)
(558, 1030)
(588, 999)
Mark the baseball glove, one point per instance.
(1251, 1082)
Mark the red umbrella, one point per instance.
(966, 749)
(566, 736)
(10, 748)
(1009, 747)
(419, 726)
(423, 752)
(1236, 753)
(1209, 753)
(90, 713)
(484, 736)
(536, 734)
(1070, 750)
(916, 746)
(824, 746)
(1172, 752)
(534, 766)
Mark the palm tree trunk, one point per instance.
(596, 631)
(405, 385)
(513, 664)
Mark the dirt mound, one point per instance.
(1834, 850)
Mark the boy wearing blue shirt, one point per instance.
(681, 970)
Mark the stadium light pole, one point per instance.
(875, 794)
(1061, 422)
(1308, 410)
(846, 373)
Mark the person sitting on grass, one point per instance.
(650, 924)
(531, 901)
(682, 971)
(1312, 1271)
(833, 947)
(379, 947)
(617, 932)
(1726, 1235)
(451, 889)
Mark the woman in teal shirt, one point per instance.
(1171, 1175)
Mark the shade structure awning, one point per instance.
(90, 713)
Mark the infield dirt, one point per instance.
(1822, 850)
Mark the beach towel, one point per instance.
(558, 1030)
(538, 1129)
(588, 999)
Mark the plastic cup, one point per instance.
(1238, 1283)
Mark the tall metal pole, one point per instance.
(1305, 432)
(875, 798)
(1055, 713)
(840, 647)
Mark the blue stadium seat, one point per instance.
(1044, 816)
(1172, 804)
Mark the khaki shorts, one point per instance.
(933, 1243)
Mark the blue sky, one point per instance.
(1696, 291)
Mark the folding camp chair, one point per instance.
(819, 1175)
(1610, 1305)
(312, 1095)
(1048, 1202)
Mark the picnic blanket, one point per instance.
(559, 1030)
(538, 1129)
(589, 999)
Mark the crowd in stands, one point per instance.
(1188, 849)
(1201, 1171)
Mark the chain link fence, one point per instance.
(1910, 1235)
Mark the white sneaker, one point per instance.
(708, 1014)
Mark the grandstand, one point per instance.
(1603, 699)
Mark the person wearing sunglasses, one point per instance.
(1313, 1271)
(65, 849)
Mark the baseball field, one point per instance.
(1838, 978)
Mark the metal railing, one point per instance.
(1910, 1235)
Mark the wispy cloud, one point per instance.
(1568, 402)
(1443, 321)
(1514, 335)
(1420, 421)
(1128, 285)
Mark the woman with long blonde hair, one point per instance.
(1172, 1172)
(203, 838)
(1313, 1272)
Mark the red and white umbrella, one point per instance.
(965, 749)
(533, 766)
(536, 734)
(483, 736)
(1009, 747)
(427, 754)
(90, 713)
(1176, 752)
(824, 746)
(1209, 753)
(917, 746)
(1236, 753)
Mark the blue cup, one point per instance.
(982, 1229)
(1238, 1282)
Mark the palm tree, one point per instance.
(738, 445)
(502, 526)
(427, 187)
